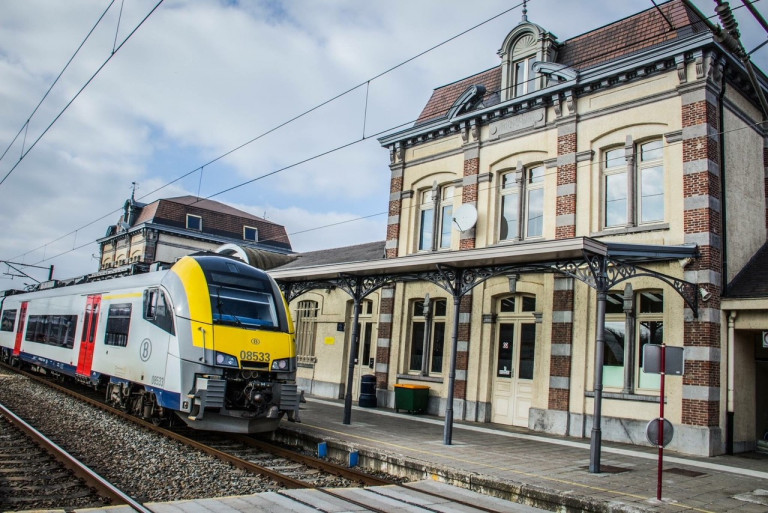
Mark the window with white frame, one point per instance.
(194, 222)
(651, 179)
(446, 217)
(523, 76)
(633, 184)
(306, 325)
(631, 321)
(522, 204)
(250, 233)
(426, 220)
(435, 230)
(427, 336)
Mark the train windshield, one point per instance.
(243, 307)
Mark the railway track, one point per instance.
(282, 467)
(294, 481)
(35, 473)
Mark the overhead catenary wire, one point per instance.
(273, 129)
(55, 119)
(592, 57)
(25, 126)
(414, 205)
(201, 168)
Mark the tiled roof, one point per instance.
(358, 253)
(632, 34)
(619, 39)
(752, 280)
(444, 97)
(222, 220)
(215, 206)
(147, 213)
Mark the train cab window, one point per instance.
(118, 322)
(157, 310)
(240, 307)
(8, 320)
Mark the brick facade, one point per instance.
(703, 226)
(565, 208)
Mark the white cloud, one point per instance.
(201, 77)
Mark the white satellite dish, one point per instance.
(465, 217)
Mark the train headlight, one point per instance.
(283, 365)
(226, 360)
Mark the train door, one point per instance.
(88, 337)
(366, 348)
(20, 328)
(514, 362)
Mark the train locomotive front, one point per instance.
(236, 346)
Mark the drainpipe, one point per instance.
(731, 380)
(723, 210)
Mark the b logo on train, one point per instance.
(209, 341)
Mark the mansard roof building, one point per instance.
(551, 220)
(169, 228)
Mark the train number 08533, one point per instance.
(254, 356)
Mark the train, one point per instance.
(208, 340)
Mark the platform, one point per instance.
(537, 469)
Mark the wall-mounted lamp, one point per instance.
(513, 282)
(685, 261)
(705, 296)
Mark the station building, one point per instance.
(607, 188)
(167, 229)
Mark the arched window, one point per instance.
(522, 203)
(435, 232)
(633, 184)
(525, 45)
(427, 336)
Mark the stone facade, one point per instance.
(655, 142)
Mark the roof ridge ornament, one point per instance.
(525, 12)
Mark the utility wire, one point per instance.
(56, 80)
(24, 154)
(413, 205)
(591, 58)
(277, 127)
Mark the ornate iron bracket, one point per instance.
(293, 289)
(603, 273)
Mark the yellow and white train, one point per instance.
(209, 341)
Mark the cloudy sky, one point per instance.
(201, 78)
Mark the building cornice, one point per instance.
(606, 76)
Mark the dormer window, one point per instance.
(525, 46)
(524, 77)
(250, 233)
(194, 222)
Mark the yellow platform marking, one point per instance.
(344, 434)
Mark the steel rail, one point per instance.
(287, 481)
(311, 461)
(284, 480)
(91, 478)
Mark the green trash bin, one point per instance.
(411, 398)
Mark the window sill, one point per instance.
(631, 229)
(419, 377)
(626, 397)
